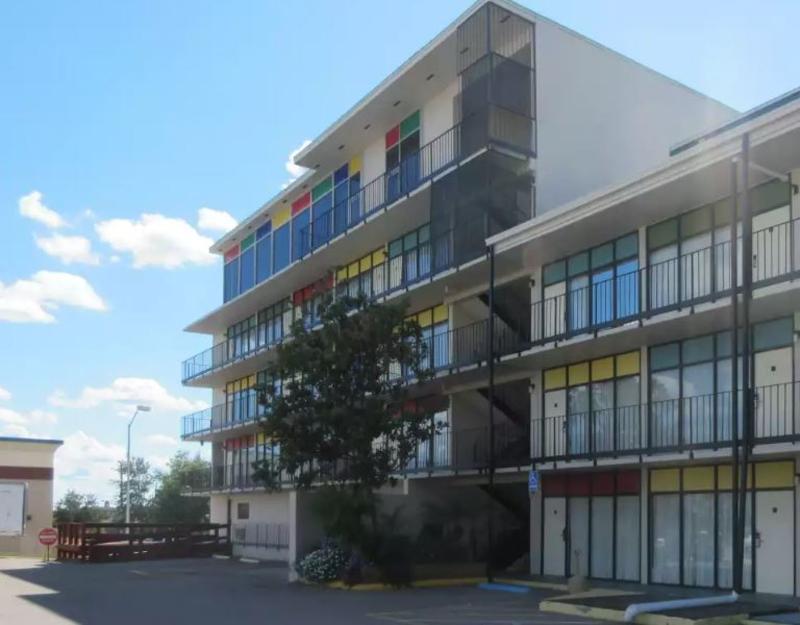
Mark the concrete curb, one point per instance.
(607, 614)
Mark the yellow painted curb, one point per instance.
(608, 614)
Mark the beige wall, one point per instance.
(21, 455)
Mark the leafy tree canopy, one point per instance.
(342, 414)
(169, 504)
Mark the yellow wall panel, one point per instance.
(365, 264)
(352, 269)
(261, 438)
(665, 480)
(775, 474)
(341, 275)
(281, 216)
(555, 378)
(425, 318)
(603, 368)
(355, 166)
(579, 374)
(698, 478)
(378, 257)
(724, 473)
(628, 364)
(440, 313)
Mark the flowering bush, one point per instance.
(322, 565)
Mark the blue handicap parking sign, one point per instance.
(533, 481)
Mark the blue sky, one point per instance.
(112, 111)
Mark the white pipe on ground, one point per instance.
(635, 609)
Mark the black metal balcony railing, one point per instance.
(242, 410)
(687, 280)
(468, 449)
(447, 450)
(679, 424)
(384, 279)
(672, 284)
(492, 123)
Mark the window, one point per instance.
(263, 252)
(592, 407)
(691, 509)
(309, 300)
(280, 243)
(231, 274)
(592, 288)
(410, 257)
(247, 264)
(689, 256)
(365, 276)
(242, 510)
(322, 198)
(603, 536)
(434, 323)
(402, 157)
(241, 401)
(274, 322)
(242, 337)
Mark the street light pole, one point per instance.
(128, 464)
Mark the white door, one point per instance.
(774, 395)
(774, 542)
(555, 517)
(555, 415)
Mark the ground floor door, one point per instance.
(555, 524)
(774, 541)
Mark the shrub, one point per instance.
(322, 565)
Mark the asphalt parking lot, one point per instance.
(210, 591)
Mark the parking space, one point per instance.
(213, 591)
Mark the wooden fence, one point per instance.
(109, 542)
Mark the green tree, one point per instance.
(74, 507)
(141, 485)
(342, 418)
(169, 505)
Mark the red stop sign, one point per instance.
(48, 536)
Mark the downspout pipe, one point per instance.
(635, 609)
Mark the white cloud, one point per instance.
(15, 423)
(156, 240)
(5, 394)
(34, 300)
(87, 461)
(129, 391)
(162, 440)
(214, 220)
(294, 170)
(68, 249)
(32, 207)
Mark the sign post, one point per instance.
(47, 537)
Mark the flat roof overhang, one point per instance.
(694, 178)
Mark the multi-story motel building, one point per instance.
(524, 190)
